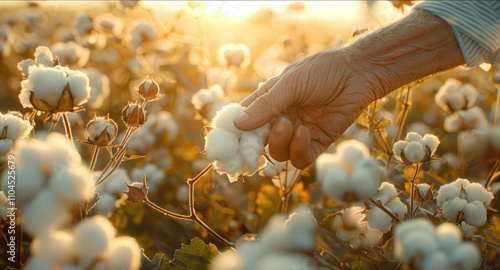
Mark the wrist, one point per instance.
(414, 47)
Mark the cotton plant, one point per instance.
(283, 240)
(92, 244)
(462, 200)
(208, 101)
(422, 245)
(12, 128)
(350, 174)
(235, 152)
(53, 181)
(416, 148)
(43, 56)
(387, 195)
(352, 228)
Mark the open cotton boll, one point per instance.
(351, 151)
(44, 56)
(385, 192)
(44, 213)
(106, 204)
(231, 167)
(477, 192)
(53, 246)
(140, 33)
(92, 238)
(451, 208)
(475, 213)
(250, 147)
(72, 184)
(366, 178)
(16, 126)
(378, 219)
(322, 162)
(421, 226)
(448, 237)
(432, 141)
(335, 181)
(124, 253)
(466, 255)
(450, 86)
(397, 207)
(221, 144)
(79, 87)
(24, 65)
(461, 183)
(5, 146)
(225, 117)
(99, 87)
(413, 137)
(46, 83)
(416, 243)
(274, 167)
(456, 101)
(436, 261)
(71, 53)
(274, 237)
(207, 96)
(370, 238)
(469, 94)
(414, 152)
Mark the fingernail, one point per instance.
(279, 126)
(242, 117)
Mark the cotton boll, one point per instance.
(301, 226)
(397, 207)
(225, 117)
(92, 238)
(421, 226)
(452, 208)
(232, 166)
(35, 263)
(413, 137)
(251, 147)
(447, 192)
(99, 87)
(469, 93)
(16, 126)
(477, 192)
(451, 123)
(475, 213)
(351, 151)
(322, 162)
(30, 179)
(450, 86)
(124, 253)
(414, 152)
(79, 87)
(71, 184)
(54, 247)
(5, 146)
(431, 141)
(140, 33)
(45, 212)
(229, 260)
(365, 178)
(221, 144)
(448, 236)
(466, 255)
(435, 261)
(335, 181)
(456, 101)
(416, 243)
(106, 204)
(378, 219)
(24, 65)
(207, 96)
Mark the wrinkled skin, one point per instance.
(310, 104)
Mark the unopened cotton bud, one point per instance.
(134, 115)
(149, 90)
(101, 131)
(137, 192)
(423, 193)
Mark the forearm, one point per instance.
(414, 47)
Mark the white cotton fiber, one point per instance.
(228, 260)
(451, 123)
(351, 151)
(124, 253)
(448, 236)
(414, 152)
(397, 207)
(378, 219)
(165, 122)
(225, 117)
(99, 87)
(365, 179)
(423, 190)
(35, 263)
(106, 204)
(456, 101)
(432, 141)
(451, 208)
(71, 184)
(461, 183)
(45, 212)
(385, 192)
(475, 213)
(251, 148)
(98, 126)
(54, 246)
(477, 192)
(447, 192)
(43, 56)
(24, 65)
(116, 182)
(30, 179)
(207, 96)
(335, 181)
(47, 83)
(436, 261)
(221, 144)
(417, 243)
(398, 147)
(16, 126)
(92, 238)
(79, 87)
(232, 166)
(466, 255)
(413, 137)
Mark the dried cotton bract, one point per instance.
(415, 148)
(350, 174)
(464, 201)
(420, 244)
(92, 245)
(12, 127)
(235, 152)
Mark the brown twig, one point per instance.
(412, 195)
(382, 207)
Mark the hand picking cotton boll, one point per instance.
(376, 217)
(235, 152)
(350, 174)
(415, 148)
(419, 243)
(455, 96)
(464, 201)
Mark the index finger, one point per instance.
(263, 89)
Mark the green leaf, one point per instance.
(195, 256)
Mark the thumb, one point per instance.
(262, 109)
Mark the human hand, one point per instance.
(310, 104)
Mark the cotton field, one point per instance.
(119, 145)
